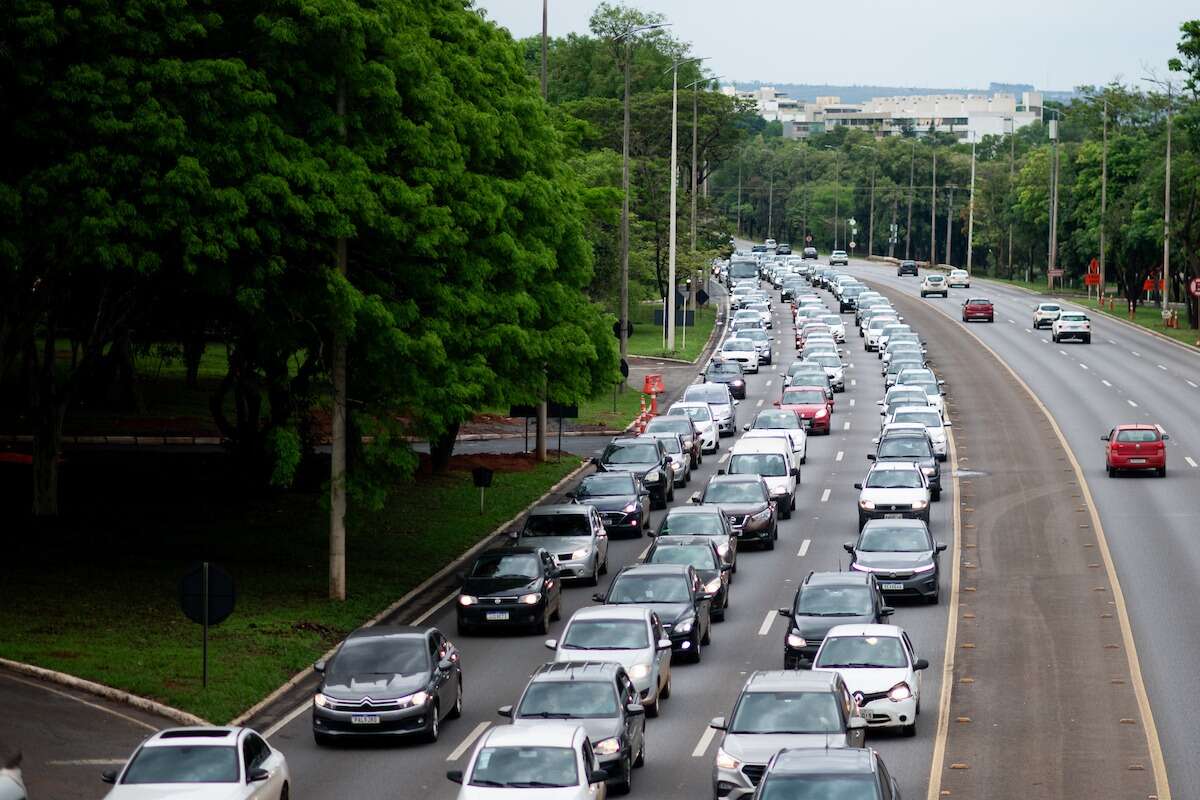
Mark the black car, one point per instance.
(783, 249)
(823, 601)
(621, 498)
(902, 556)
(915, 446)
(598, 695)
(848, 301)
(790, 287)
(700, 553)
(827, 772)
(729, 373)
(388, 681)
(746, 502)
(809, 252)
(676, 594)
(510, 587)
(707, 521)
(645, 457)
(683, 425)
(907, 268)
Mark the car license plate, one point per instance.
(497, 615)
(893, 516)
(364, 719)
(1137, 461)
(891, 587)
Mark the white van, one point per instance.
(773, 459)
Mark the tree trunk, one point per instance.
(193, 352)
(47, 439)
(441, 448)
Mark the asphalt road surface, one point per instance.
(680, 749)
(1151, 524)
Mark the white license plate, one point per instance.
(1137, 461)
(891, 587)
(893, 516)
(497, 615)
(364, 719)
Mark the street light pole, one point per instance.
(1103, 193)
(674, 177)
(837, 186)
(949, 218)
(542, 407)
(912, 156)
(1166, 294)
(1012, 173)
(871, 217)
(933, 211)
(971, 208)
(1052, 249)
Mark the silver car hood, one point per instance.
(894, 496)
(759, 748)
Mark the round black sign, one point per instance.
(221, 594)
(624, 368)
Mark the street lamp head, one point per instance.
(683, 61)
(639, 29)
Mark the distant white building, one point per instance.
(966, 115)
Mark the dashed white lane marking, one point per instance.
(853, 382)
(1027, 330)
(1160, 366)
(1160, 429)
(1045, 341)
(642, 554)
(1064, 352)
(840, 454)
(1112, 341)
(845, 426)
(825, 495)
(1085, 366)
(1012, 322)
(768, 383)
(804, 545)
(705, 740)
(1106, 383)
(1136, 354)
(724, 457)
(1135, 405)
(758, 404)
(766, 623)
(852, 402)
(1193, 385)
(1191, 463)
(475, 733)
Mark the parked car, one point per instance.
(1135, 447)
(202, 761)
(600, 697)
(902, 556)
(893, 490)
(555, 761)
(935, 284)
(702, 555)
(978, 308)
(1071, 325)
(823, 600)
(746, 502)
(388, 681)
(510, 587)
(646, 457)
(881, 669)
(574, 533)
(621, 498)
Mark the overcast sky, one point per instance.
(1053, 44)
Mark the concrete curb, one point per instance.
(107, 692)
(482, 544)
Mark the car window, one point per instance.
(893, 479)
(388, 655)
(739, 492)
(698, 556)
(605, 485)
(254, 752)
(862, 651)
(843, 601)
(183, 764)
(692, 524)
(518, 766)
(605, 634)
(787, 712)
(906, 539)
(930, 419)
(803, 397)
(506, 565)
(557, 525)
(1137, 435)
(769, 465)
(633, 588)
(573, 699)
(709, 393)
(701, 413)
(777, 419)
(902, 446)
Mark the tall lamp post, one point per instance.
(871, 217)
(837, 186)
(1012, 174)
(971, 206)
(912, 160)
(933, 208)
(1052, 248)
(695, 87)
(674, 70)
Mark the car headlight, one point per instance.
(580, 553)
(919, 504)
(867, 505)
(761, 516)
(928, 470)
(651, 477)
(820, 413)
(629, 509)
(639, 671)
(927, 568)
(726, 761)
(796, 640)
(320, 700)
(606, 747)
(467, 600)
(901, 691)
(530, 599)
(414, 699)
(685, 626)
(713, 586)
(723, 548)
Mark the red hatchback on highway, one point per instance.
(812, 404)
(978, 308)
(1138, 446)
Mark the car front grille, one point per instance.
(564, 556)
(754, 772)
(894, 507)
(862, 698)
(896, 575)
(366, 704)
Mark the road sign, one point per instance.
(207, 597)
(1055, 272)
(1194, 287)
(1092, 279)
(702, 297)
(1148, 285)
(853, 245)
(1094, 267)
(808, 238)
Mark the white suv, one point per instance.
(1045, 314)
(1072, 325)
(959, 277)
(935, 284)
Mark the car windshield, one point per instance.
(979, 301)
(935, 279)
(506, 565)
(902, 446)
(383, 655)
(606, 485)
(184, 764)
(1073, 318)
(525, 767)
(769, 465)
(903, 361)
(787, 712)
(820, 787)
(557, 525)
(670, 444)
(882, 539)
(669, 424)
(803, 397)
(699, 556)
(692, 524)
(568, 699)
(707, 394)
(737, 345)
(930, 419)
(831, 320)
(862, 651)
(739, 492)
(1137, 435)
(834, 601)
(1049, 307)
(701, 413)
(754, 334)
(827, 359)
(893, 479)
(815, 372)
(777, 419)
(629, 588)
(606, 634)
(639, 453)
(725, 368)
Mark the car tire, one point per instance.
(770, 544)
(933, 600)
(1112, 473)
(285, 792)
(697, 651)
(718, 615)
(936, 494)
(1087, 339)
(604, 565)
(707, 640)
(652, 708)
(625, 785)
(670, 498)
(595, 576)
(556, 614)
(435, 724)
(457, 711)
(322, 739)
(666, 690)
(1161, 472)
(908, 731)
(464, 629)
(640, 761)
(543, 624)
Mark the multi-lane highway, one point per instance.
(680, 746)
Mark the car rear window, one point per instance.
(1137, 435)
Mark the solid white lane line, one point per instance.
(702, 745)
(1085, 366)
(840, 454)
(1106, 383)
(642, 554)
(1135, 405)
(768, 383)
(475, 733)
(804, 545)
(758, 404)
(846, 426)
(852, 402)
(1193, 385)
(853, 382)
(1191, 463)
(283, 723)
(766, 623)
(1160, 366)
(825, 495)
(724, 457)
(437, 606)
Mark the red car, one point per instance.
(978, 308)
(1137, 446)
(813, 405)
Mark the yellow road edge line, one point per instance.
(943, 722)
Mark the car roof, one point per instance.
(575, 670)
(805, 760)
(1138, 426)
(621, 611)
(655, 569)
(195, 736)
(761, 444)
(837, 579)
(746, 478)
(513, 549)
(895, 523)
(866, 629)
(552, 734)
(907, 466)
(703, 508)
(566, 509)
(926, 409)
(384, 631)
(798, 386)
(682, 540)
(904, 430)
(795, 680)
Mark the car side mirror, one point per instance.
(947, 424)
(696, 497)
(776, 404)
(746, 427)
(721, 472)
(664, 644)
(634, 709)
(598, 597)
(505, 711)
(643, 493)
(886, 611)
(737, 402)
(1104, 438)
(593, 460)
(785, 612)
(551, 644)
(319, 667)
(717, 723)
(849, 547)
(878, 402)
(856, 723)
(870, 456)
(257, 775)
(858, 486)
(940, 547)
(445, 665)
(920, 664)
(109, 776)
(455, 775)
(795, 472)
(597, 775)
(941, 383)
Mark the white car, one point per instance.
(551, 761)
(1072, 325)
(836, 326)
(1045, 314)
(742, 350)
(924, 378)
(893, 490)
(959, 278)
(772, 459)
(834, 367)
(874, 329)
(706, 424)
(629, 635)
(898, 397)
(764, 311)
(205, 763)
(928, 416)
(838, 257)
(889, 691)
(775, 423)
(935, 284)
(12, 785)
(888, 332)
(719, 399)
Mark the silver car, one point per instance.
(574, 533)
(724, 407)
(680, 459)
(553, 761)
(893, 490)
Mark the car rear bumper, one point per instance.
(1147, 461)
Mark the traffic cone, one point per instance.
(654, 405)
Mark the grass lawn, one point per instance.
(94, 594)
(599, 411)
(647, 339)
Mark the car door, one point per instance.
(701, 602)
(599, 535)
(912, 659)
(256, 754)
(441, 679)
(635, 724)
(587, 764)
(662, 658)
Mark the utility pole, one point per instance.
(1012, 175)
(1166, 294)
(771, 202)
(971, 209)
(949, 219)
(674, 177)
(542, 415)
(337, 461)
(871, 215)
(1103, 192)
(892, 230)
(695, 87)
(739, 203)
(912, 156)
(837, 187)
(804, 213)
(1052, 248)
(933, 211)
